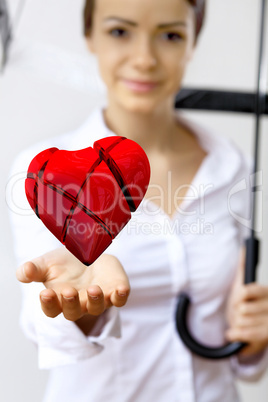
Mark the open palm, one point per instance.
(73, 288)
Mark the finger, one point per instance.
(236, 335)
(70, 303)
(252, 334)
(253, 307)
(50, 303)
(250, 321)
(252, 291)
(242, 260)
(32, 271)
(120, 295)
(95, 301)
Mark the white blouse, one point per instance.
(139, 356)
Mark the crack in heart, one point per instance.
(110, 179)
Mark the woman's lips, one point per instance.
(140, 86)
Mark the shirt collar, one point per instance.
(223, 160)
(218, 168)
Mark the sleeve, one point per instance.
(59, 341)
(250, 369)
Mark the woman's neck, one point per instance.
(152, 131)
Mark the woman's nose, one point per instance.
(143, 55)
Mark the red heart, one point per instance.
(86, 197)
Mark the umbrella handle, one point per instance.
(196, 347)
(222, 352)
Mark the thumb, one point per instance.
(242, 260)
(32, 271)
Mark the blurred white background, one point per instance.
(49, 87)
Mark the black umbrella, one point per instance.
(235, 102)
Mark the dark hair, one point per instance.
(198, 5)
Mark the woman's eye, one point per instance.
(172, 37)
(118, 32)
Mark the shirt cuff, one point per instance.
(60, 342)
(250, 368)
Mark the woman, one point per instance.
(182, 237)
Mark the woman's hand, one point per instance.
(73, 288)
(247, 314)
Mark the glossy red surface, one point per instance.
(85, 197)
(39, 161)
(53, 209)
(129, 165)
(30, 185)
(86, 238)
(77, 163)
(103, 196)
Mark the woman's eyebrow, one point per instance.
(134, 24)
(171, 24)
(118, 19)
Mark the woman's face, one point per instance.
(142, 48)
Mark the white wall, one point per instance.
(50, 86)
